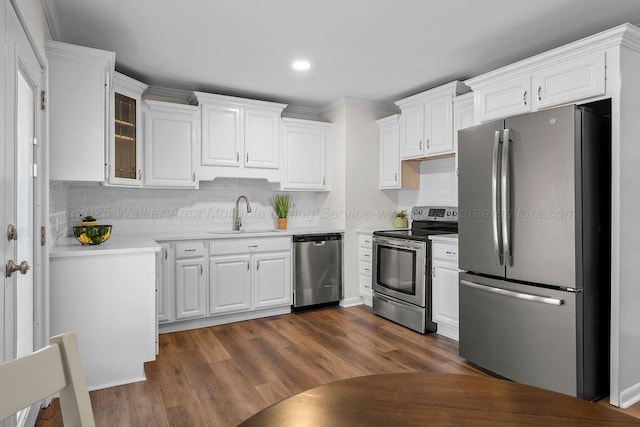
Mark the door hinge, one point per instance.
(35, 140)
(35, 170)
(43, 99)
(43, 235)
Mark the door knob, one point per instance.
(12, 267)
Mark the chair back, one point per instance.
(55, 368)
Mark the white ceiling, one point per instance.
(377, 50)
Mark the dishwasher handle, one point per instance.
(317, 238)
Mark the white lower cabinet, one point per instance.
(272, 279)
(190, 282)
(444, 287)
(365, 255)
(210, 282)
(165, 267)
(229, 283)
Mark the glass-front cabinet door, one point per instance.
(125, 151)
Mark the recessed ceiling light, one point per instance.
(301, 65)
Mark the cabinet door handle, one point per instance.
(428, 144)
(258, 265)
(524, 97)
(396, 177)
(539, 93)
(419, 145)
(139, 174)
(247, 158)
(201, 269)
(433, 271)
(237, 157)
(324, 181)
(248, 266)
(194, 177)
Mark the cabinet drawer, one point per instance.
(445, 251)
(365, 284)
(248, 244)
(365, 254)
(189, 250)
(365, 241)
(365, 268)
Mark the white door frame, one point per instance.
(40, 205)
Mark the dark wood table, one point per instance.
(422, 399)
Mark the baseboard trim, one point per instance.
(205, 322)
(350, 302)
(630, 396)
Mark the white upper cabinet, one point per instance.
(504, 99)
(79, 106)
(262, 138)
(240, 137)
(304, 145)
(221, 135)
(171, 144)
(545, 81)
(570, 81)
(426, 122)
(439, 125)
(124, 165)
(389, 152)
(412, 131)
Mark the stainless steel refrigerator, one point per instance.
(534, 215)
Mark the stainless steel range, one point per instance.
(402, 260)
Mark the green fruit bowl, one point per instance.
(92, 234)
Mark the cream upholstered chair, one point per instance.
(57, 367)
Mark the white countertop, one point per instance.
(117, 244)
(147, 242)
(446, 238)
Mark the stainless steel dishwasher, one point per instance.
(317, 269)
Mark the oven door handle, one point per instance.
(396, 244)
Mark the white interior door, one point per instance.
(22, 81)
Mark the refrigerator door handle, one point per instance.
(495, 198)
(506, 198)
(512, 294)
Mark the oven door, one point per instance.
(399, 267)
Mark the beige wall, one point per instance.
(355, 202)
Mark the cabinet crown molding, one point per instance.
(237, 101)
(86, 55)
(304, 122)
(623, 35)
(154, 105)
(128, 83)
(454, 88)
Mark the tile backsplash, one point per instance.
(132, 210)
(438, 185)
(58, 225)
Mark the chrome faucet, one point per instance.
(237, 223)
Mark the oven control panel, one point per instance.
(434, 213)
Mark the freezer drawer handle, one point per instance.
(512, 294)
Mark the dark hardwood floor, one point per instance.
(221, 375)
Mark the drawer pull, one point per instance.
(451, 253)
(188, 251)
